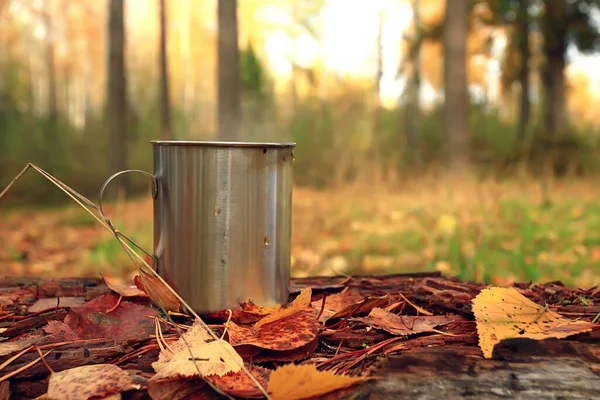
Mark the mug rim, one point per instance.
(221, 143)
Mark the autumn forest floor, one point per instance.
(497, 232)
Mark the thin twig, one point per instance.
(44, 360)
(13, 358)
(322, 306)
(113, 308)
(227, 323)
(23, 368)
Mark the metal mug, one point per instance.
(222, 221)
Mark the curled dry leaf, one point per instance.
(196, 351)
(284, 334)
(360, 307)
(158, 292)
(121, 287)
(504, 313)
(403, 325)
(302, 302)
(90, 381)
(239, 384)
(292, 382)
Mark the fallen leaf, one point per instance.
(50, 303)
(403, 325)
(301, 302)
(123, 288)
(159, 294)
(90, 381)
(300, 353)
(127, 321)
(239, 383)
(336, 302)
(58, 332)
(210, 357)
(362, 307)
(504, 313)
(251, 308)
(284, 334)
(292, 382)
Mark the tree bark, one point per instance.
(456, 102)
(166, 129)
(230, 109)
(51, 70)
(554, 32)
(523, 35)
(117, 94)
(413, 108)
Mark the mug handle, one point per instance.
(116, 231)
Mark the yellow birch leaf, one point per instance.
(293, 382)
(504, 313)
(300, 303)
(211, 357)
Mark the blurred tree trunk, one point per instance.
(117, 94)
(523, 37)
(50, 68)
(554, 31)
(166, 129)
(413, 108)
(456, 103)
(230, 109)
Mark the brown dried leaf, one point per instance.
(403, 325)
(159, 294)
(300, 303)
(90, 381)
(284, 334)
(504, 313)
(336, 302)
(58, 332)
(360, 307)
(123, 288)
(292, 382)
(239, 384)
(210, 357)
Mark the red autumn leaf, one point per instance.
(285, 334)
(335, 302)
(239, 383)
(58, 332)
(127, 321)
